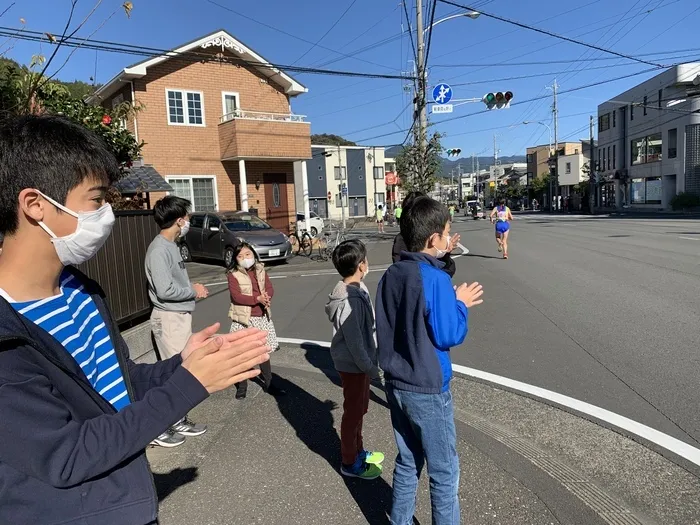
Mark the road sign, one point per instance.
(442, 94)
(442, 108)
(345, 189)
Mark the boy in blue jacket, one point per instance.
(419, 316)
(77, 413)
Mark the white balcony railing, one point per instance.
(262, 115)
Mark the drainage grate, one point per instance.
(610, 510)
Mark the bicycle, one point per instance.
(301, 240)
(325, 249)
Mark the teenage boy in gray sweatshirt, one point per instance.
(354, 353)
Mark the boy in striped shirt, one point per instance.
(79, 412)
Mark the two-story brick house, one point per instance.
(218, 125)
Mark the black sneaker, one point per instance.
(168, 439)
(188, 428)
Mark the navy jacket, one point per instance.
(66, 456)
(418, 319)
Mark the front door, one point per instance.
(277, 207)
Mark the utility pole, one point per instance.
(592, 175)
(556, 146)
(422, 112)
(478, 181)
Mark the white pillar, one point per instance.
(305, 190)
(243, 181)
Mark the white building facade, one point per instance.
(649, 141)
(360, 169)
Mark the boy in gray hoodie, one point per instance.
(354, 353)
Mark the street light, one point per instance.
(472, 14)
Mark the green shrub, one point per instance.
(685, 201)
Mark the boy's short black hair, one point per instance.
(423, 218)
(408, 199)
(50, 154)
(348, 256)
(169, 209)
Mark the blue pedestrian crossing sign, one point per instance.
(442, 93)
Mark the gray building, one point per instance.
(649, 141)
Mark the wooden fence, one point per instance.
(119, 265)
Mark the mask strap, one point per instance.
(59, 206)
(47, 230)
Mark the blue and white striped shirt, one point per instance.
(73, 319)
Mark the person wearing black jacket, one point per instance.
(78, 413)
(400, 245)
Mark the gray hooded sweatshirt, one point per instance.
(354, 344)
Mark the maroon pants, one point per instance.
(355, 405)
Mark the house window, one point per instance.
(194, 116)
(614, 161)
(200, 191)
(568, 168)
(275, 195)
(378, 173)
(614, 118)
(646, 191)
(647, 149)
(609, 158)
(119, 99)
(529, 157)
(631, 111)
(337, 172)
(645, 105)
(602, 166)
(661, 94)
(672, 143)
(604, 122)
(231, 104)
(379, 199)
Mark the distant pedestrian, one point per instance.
(173, 297)
(380, 219)
(419, 317)
(354, 354)
(452, 213)
(397, 213)
(251, 298)
(400, 245)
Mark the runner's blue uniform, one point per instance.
(502, 224)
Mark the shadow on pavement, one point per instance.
(320, 358)
(483, 256)
(312, 420)
(168, 483)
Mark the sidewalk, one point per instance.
(275, 461)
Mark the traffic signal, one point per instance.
(453, 152)
(498, 100)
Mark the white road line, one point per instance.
(660, 439)
(689, 238)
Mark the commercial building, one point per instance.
(573, 169)
(218, 125)
(649, 141)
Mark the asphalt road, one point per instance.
(604, 310)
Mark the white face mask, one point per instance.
(94, 228)
(441, 253)
(248, 263)
(184, 228)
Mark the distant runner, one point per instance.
(502, 216)
(452, 213)
(380, 219)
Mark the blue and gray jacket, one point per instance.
(418, 319)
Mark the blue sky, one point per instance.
(363, 109)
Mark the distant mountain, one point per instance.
(484, 162)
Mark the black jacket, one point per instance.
(66, 456)
(400, 246)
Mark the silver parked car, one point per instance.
(214, 235)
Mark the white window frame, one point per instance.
(224, 94)
(378, 169)
(168, 178)
(185, 109)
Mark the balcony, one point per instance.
(263, 135)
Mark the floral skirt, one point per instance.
(261, 323)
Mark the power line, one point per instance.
(291, 35)
(554, 35)
(410, 31)
(115, 47)
(315, 44)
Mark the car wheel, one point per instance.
(228, 256)
(185, 253)
(314, 232)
